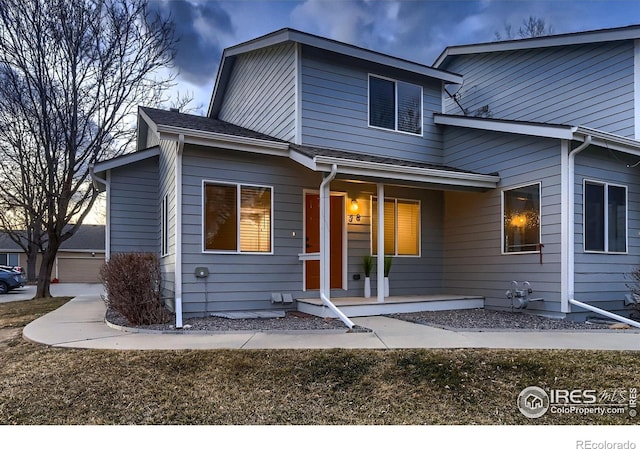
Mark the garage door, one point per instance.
(80, 269)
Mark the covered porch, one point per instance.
(358, 306)
(367, 178)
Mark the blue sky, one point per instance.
(411, 29)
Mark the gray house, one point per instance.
(508, 166)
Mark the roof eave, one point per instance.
(229, 141)
(588, 37)
(407, 173)
(513, 127)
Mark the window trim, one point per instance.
(238, 186)
(502, 215)
(164, 226)
(606, 185)
(395, 83)
(395, 217)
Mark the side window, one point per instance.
(521, 219)
(605, 217)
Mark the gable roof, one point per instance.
(585, 37)
(290, 35)
(87, 238)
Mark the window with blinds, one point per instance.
(401, 227)
(395, 105)
(237, 218)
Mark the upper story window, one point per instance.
(395, 105)
(237, 218)
(521, 217)
(605, 217)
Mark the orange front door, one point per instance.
(312, 240)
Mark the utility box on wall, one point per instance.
(202, 272)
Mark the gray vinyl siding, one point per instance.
(134, 225)
(601, 279)
(166, 186)
(261, 93)
(473, 259)
(335, 110)
(242, 281)
(246, 281)
(588, 85)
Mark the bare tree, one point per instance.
(80, 69)
(531, 27)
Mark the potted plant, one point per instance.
(387, 268)
(367, 265)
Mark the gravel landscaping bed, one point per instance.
(477, 319)
(292, 321)
(473, 319)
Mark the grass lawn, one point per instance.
(42, 385)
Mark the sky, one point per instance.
(410, 29)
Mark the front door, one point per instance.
(312, 240)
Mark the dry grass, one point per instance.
(41, 385)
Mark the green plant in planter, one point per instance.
(367, 265)
(387, 265)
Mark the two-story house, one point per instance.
(508, 161)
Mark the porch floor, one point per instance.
(358, 306)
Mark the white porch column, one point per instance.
(380, 272)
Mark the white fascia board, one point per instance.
(608, 140)
(290, 35)
(303, 160)
(126, 159)
(404, 173)
(523, 128)
(229, 141)
(589, 37)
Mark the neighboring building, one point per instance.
(508, 161)
(79, 258)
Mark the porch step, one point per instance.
(355, 307)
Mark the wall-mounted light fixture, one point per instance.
(353, 208)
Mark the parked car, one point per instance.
(9, 280)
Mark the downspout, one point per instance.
(178, 257)
(565, 306)
(325, 247)
(571, 235)
(107, 232)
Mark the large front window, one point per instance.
(395, 105)
(401, 227)
(237, 218)
(605, 217)
(521, 218)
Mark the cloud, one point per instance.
(202, 28)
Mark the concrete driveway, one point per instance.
(27, 292)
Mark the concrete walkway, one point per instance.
(80, 324)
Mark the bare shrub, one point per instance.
(133, 285)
